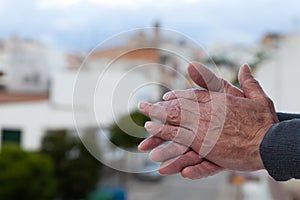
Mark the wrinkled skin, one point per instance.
(193, 117)
(189, 163)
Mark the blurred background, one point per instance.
(45, 43)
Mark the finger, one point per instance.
(144, 108)
(193, 94)
(205, 78)
(183, 104)
(150, 143)
(171, 115)
(167, 152)
(175, 165)
(250, 86)
(201, 170)
(172, 133)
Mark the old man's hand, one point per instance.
(224, 128)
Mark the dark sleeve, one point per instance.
(280, 150)
(287, 116)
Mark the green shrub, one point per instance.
(25, 175)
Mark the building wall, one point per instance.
(27, 65)
(33, 119)
(99, 95)
(105, 97)
(280, 75)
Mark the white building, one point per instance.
(27, 65)
(280, 74)
(102, 92)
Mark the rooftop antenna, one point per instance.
(156, 36)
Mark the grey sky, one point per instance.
(81, 24)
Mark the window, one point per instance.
(11, 136)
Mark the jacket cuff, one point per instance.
(280, 150)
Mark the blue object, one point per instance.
(108, 193)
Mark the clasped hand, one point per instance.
(220, 127)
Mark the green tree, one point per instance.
(122, 132)
(76, 170)
(25, 175)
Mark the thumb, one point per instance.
(249, 85)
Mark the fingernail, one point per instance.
(140, 146)
(148, 125)
(167, 96)
(183, 176)
(248, 67)
(142, 105)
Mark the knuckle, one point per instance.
(160, 103)
(174, 114)
(173, 131)
(202, 96)
(268, 102)
(175, 102)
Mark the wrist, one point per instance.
(263, 132)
